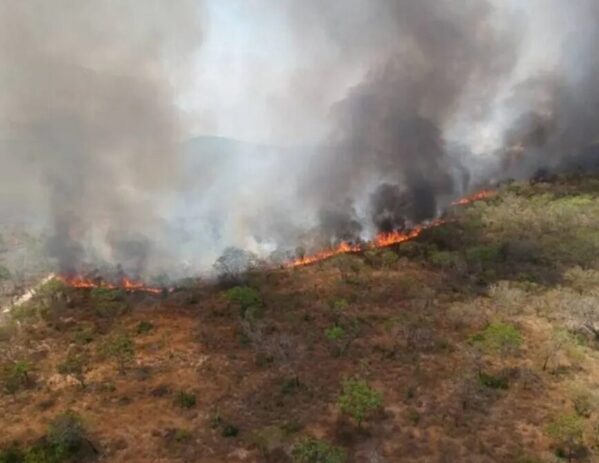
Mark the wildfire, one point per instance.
(385, 239)
(485, 194)
(125, 283)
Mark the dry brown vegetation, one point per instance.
(480, 339)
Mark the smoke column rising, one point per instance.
(361, 117)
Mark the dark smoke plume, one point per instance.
(365, 115)
(389, 132)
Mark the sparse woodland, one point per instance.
(476, 342)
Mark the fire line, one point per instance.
(385, 239)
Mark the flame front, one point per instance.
(386, 239)
(126, 284)
(485, 194)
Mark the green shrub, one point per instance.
(358, 399)
(66, 433)
(183, 435)
(246, 298)
(339, 304)
(15, 376)
(482, 256)
(499, 337)
(584, 401)
(230, 430)
(388, 258)
(106, 294)
(65, 441)
(144, 327)
(444, 259)
(75, 364)
(12, 454)
(312, 450)
(121, 349)
(492, 381)
(381, 257)
(335, 333)
(108, 302)
(567, 432)
(185, 399)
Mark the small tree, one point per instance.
(233, 263)
(75, 364)
(66, 433)
(560, 340)
(358, 399)
(567, 431)
(503, 338)
(247, 299)
(15, 375)
(312, 450)
(121, 349)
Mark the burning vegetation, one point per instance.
(125, 283)
(384, 239)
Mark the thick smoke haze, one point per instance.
(357, 117)
(90, 130)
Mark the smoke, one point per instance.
(359, 117)
(88, 121)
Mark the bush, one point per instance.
(183, 435)
(66, 433)
(15, 376)
(185, 399)
(244, 297)
(144, 327)
(381, 257)
(233, 264)
(339, 304)
(65, 441)
(482, 256)
(106, 294)
(358, 399)
(444, 259)
(584, 401)
(75, 364)
(499, 337)
(567, 432)
(492, 381)
(230, 430)
(334, 333)
(121, 349)
(312, 450)
(108, 302)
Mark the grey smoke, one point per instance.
(364, 116)
(88, 118)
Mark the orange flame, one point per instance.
(485, 194)
(386, 239)
(126, 284)
(380, 241)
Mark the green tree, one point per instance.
(499, 337)
(121, 349)
(75, 364)
(312, 450)
(358, 399)
(567, 432)
(15, 375)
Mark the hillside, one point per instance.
(476, 342)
